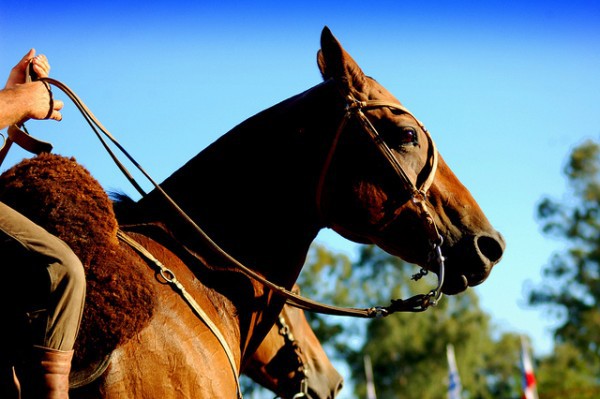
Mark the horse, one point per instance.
(291, 362)
(344, 154)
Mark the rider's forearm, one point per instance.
(15, 106)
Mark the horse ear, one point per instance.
(335, 63)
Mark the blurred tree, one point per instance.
(571, 280)
(560, 375)
(408, 351)
(502, 369)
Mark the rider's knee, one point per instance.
(75, 275)
(69, 275)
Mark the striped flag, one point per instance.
(454, 387)
(529, 384)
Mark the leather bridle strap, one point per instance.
(355, 108)
(95, 125)
(418, 194)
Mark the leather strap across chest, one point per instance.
(168, 275)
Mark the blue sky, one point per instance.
(506, 88)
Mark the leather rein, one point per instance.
(417, 303)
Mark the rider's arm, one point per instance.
(20, 101)
(25, 101)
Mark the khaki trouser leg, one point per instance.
(51, 289)
(58, 268)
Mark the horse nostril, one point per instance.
(338, 389)
(491, 248)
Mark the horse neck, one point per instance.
(253, 193)
(253, 190)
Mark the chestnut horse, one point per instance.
(345, 155)
(291, 361)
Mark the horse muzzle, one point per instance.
(470, 261)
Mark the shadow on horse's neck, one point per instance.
(253, 190)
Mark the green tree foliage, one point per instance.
(571, 284)
(408, 350)
(560, 375)
(327, 277)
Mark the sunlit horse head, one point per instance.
(384, 182)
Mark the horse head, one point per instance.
(400, 194)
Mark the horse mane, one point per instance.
(59, 194)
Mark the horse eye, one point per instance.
(398, 136)
(408, 136)
(402, 137)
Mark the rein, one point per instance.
(417, 303)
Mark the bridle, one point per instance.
(355, 108)
(418, 194)
(302, 369)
